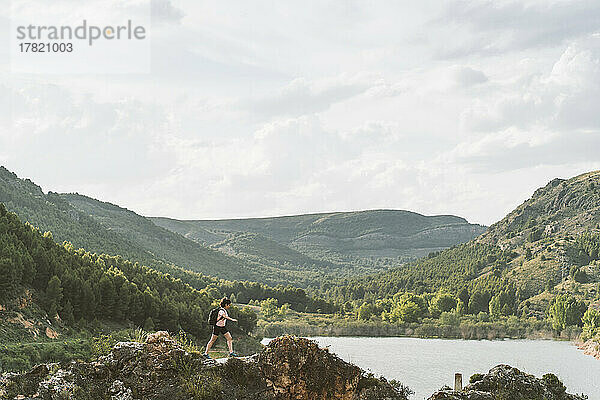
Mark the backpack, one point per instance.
(213, 316)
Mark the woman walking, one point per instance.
(220, 317)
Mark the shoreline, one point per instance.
(483, 331)
(580, 345)
(589, 348)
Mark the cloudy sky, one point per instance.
(277, 107)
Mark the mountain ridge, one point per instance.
(299, 250)
(385, 232)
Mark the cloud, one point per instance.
(301, 97)
(562, 99)
(495, 27)
(163, 11)
(546, 120)
(79, 139)
(280, 108)
(467, 76)
(513, 150)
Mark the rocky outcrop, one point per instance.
(160, 368)
(562, 207)
(295, 368)
(590, 347)
(506, 382)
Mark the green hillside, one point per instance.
(77, 284)
(267, 262)
(544, 240)
(340, 237)
(562, 207)
(129, 235)
(161, 243)
(554, 235)
(542, 261)
(265, 250)
(49, 212)
(105, 228)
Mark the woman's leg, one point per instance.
(229, 341)
(212, 341)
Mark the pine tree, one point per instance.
(149, 325)
(67, 313)
(107, 295)
(54, 295)
(122, 306)
(7, 278)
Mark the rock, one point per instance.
(123, 352)
(160, 369)
(59, 386)
(590, 348)
(506, 382)
(295, 368)
(454, 395)
(157, 337)
(118, 391)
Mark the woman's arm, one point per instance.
(226, 316)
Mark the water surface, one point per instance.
(425, 365)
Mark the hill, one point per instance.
(164, 245)
(339, 237)
(556, 236)
(561, 208)
(303, 251)
(129, 235)
(101, 227)
(49, 212)
(548, 245)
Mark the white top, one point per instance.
(221, 317)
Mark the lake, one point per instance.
(425, 365)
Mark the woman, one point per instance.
(219, 328)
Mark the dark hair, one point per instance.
(225, 301)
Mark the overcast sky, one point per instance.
(278, 107)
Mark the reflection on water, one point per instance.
(425, 365)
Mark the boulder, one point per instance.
(506, 382)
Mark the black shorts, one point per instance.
(219, 330)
